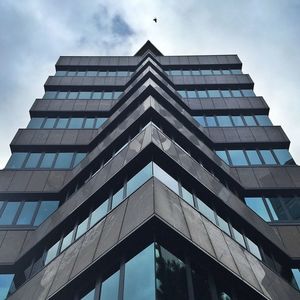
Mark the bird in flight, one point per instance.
(155, 20)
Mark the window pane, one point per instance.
(73, 95)
(200, 120)
(253, 157)
(78, 158)
(76, 123)
(165, 178)
(63, 160)
(49, 123)
(296, 273)
(187, 196)
(81, 73)
(236, 71)
(268, 157)
(236, 93)
(202, 289)
(225, 93)
(139, 179)
(102, 73)
(110, 287)
(214, 93)
(277, 210)
(67, 241)
(222, 154)
(89, 296)
(47, 160)
(224, 121)
(27, 213)
(33, 160)
(284, 157)
(211, 121)
(9, 213)
(99, 213)
(99, 122)
(249, 121)
(52, 253)
(111, 73)
(62, 123)
(82, 228)
(72, 73)
(62, 95)
(117, 198)
(50, 95)
(45, 210)
(97, 95)
(226, 72)
(36, 123)
(237, 121)
(117, 94)
(85, 95)
(293, 206)
(217, 72)
(206, 211)
(182, 93)
(223, 225)
(187, 72)
(196, 72)
(263, 120)
(16, 160)
(191, 94)
(139, 281)
(248, 93)
(89, 123)
(202, 94)
(5, 283)
(238, 157)
(206, 72)
(107, 95)
(239, 237)
(91, 73)
(253, 248)
(175, 72)
(257, 205)
(122, 73)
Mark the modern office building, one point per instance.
(150, 177)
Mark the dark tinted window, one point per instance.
(63, 160)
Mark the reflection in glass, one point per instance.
(257, 205)
(45, 210)
(5, 283)
(110, 287)
(165, 178)
(27, 212)
(9, 213)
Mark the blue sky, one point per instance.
(265, 35)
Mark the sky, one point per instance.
(265, 35)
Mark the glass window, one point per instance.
(5, 283)
(225, 93)
(257, 205)
(191, 94)
(50, 95)
(296, 273)
(214, 93)
(182, 93)
(67, 241)
(47, 160)
(206, 72)
(175, 72)
(139, 179)
(97, 95)
(91, 73)
(253, 157)
(33, 160)
(62, 95)
(82, 228)
(200, 120)
(226, 72)
(139, 281)
(196, 72)
(223, 225)
(224, 121)
(236, 93)
(9, 213)
(237, 121)
(102, 73)
(239, 237)
(202, 94)
(81, 73)
(89, 296)
(72, 73)
(99, 213)
(263, 120)
(236, 71)
(187, 72)
(78, 158)
(122, 73)
(211, 121)
(73, 95)
(206, 211)
(248, 93)
(111, 73)
(52, 253)
(63, 160)
(165, 178)
(201, 285)
(62, 123)
(117, 94)
(110, 287)
(45, 210)
(223, 155)
(76, 123)
(284, 157)
(99, 122)
(36, 123)
(293, 206)
(85, 95)
(277, 210)
(253, 248)
(187, 196)
(268, 157)
(238, 157)
(217, 72)
(16, 160)
(250, 120)
(107, 95)
(89, 123)
(117, 198)
(27, 213)
(49, 123)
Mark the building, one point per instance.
(150, 177)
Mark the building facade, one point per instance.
(150, 177)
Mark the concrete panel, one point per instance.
(20, 181)
(37, 181)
